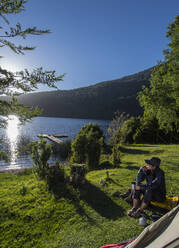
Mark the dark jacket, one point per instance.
(154, 181)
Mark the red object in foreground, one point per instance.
(117, 245)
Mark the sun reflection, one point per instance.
(12, 131)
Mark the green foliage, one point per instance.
(4, 156)
(146, 130)
(23, 190)
(41, 152)
(93, 150)
(88, 217)
(115, 127)
(149, 131)
(116, 156)
(62, 150)
(23, 147)
(114, 131)
(53, 175)
(88, 145)
(79, 149)
(128, 130)
(161, 99)
(77, 173)
(13, 84)
(55, 178)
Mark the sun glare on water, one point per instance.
(12, 132)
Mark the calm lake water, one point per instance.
(14, 134)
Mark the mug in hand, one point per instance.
(133, 185)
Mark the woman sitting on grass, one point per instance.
(153, 190)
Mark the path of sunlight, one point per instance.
(12, 131)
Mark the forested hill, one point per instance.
(99, 101)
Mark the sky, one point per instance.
(93, 40)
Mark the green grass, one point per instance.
(88, 217)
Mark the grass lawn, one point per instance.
(88, 217)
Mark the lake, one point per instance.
(14, 134)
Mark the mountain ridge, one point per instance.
(98, 101)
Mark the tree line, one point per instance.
(160, 101)
(98, 101)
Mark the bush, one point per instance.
(116, 156)
(79, 149)
(93, 150)
(55, 177)
(41, 152)
(22, 145)
(23, 190)
(62, 150)
(114, 131)
(88, 145)
(77, 173)
(150, 132)
(128, 130)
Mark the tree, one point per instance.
(161, 99)
(87, 146)
(13, 84)
(114, 132)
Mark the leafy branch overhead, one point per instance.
(161, 99)
(13, 84)
(18, 32)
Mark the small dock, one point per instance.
(53, 137)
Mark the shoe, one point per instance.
(116, 194)
(129, 199)
(126, 194)
(131, 212)
(137, 214)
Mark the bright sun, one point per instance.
(12, 67)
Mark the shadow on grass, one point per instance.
(110, 180)
(133, 151)
(130, 167)
(145, 145)
(106, 165)
(100, 202)
(67, 191)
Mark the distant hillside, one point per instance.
(98, 101)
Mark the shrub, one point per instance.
(114, 131)
(62, 150)
(55, 177)
(150, 132)
(87, 146)
(145, 130)
(41, 152)
(79, 149)
(93, 150)
(22, 145)
(128, 130)
(77, 173)
(116, 156)
(23, 190)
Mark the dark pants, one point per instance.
(149, 195)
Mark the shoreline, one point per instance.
(14, 170)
